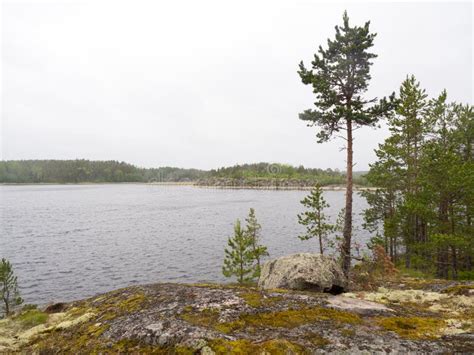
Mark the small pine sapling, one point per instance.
(239, 257)
(9, 294)
(252, 230)
(314, 218)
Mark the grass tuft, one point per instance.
(32, 318)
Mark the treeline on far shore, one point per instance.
(87, 171)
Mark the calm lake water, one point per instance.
(68, 242)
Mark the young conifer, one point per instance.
(252, 230)
(314, 218)
(9, 294)
(239, 257)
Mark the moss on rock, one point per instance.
(207, 317)
(413, 327)
(257, 299)
(243, 346)
(317, 340)
(290, 318)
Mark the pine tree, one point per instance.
(397, 173)
(447, 178)
(382, 217)
(425, 179)
(239, 257)
(408, 129)
(339, 77)
(314, 219)
(252, 231)
(9, 294)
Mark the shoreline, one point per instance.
(285, 188)
(194, 184)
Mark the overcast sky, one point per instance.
(204, 83)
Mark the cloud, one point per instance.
(203, 84)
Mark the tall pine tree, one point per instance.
(339, 76)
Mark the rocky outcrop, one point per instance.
(257, 182)
(226, 319)
(264, 184)
(303, 271)
(270, 184)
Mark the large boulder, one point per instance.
(303, 271)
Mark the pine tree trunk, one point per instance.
(241, 276)
(320, 245)
(454, 261)
(392, 255)
(443, 254)
(320, 234)
(254, 248)
(7, 308)
(347, 231)
(6, 297)
(407, 255)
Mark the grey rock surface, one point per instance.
(358, 306)
(236, 319)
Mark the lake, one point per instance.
(68, 242)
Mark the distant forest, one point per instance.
(82, 171)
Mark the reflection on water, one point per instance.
(68, 242)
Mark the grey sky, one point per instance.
(204, 83)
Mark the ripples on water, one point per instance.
(68, 242)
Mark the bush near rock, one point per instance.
(304, 271)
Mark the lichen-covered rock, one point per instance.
(27, 326)
(358, 306)
(229, 319)
(303, 271)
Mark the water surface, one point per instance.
(68, 242)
